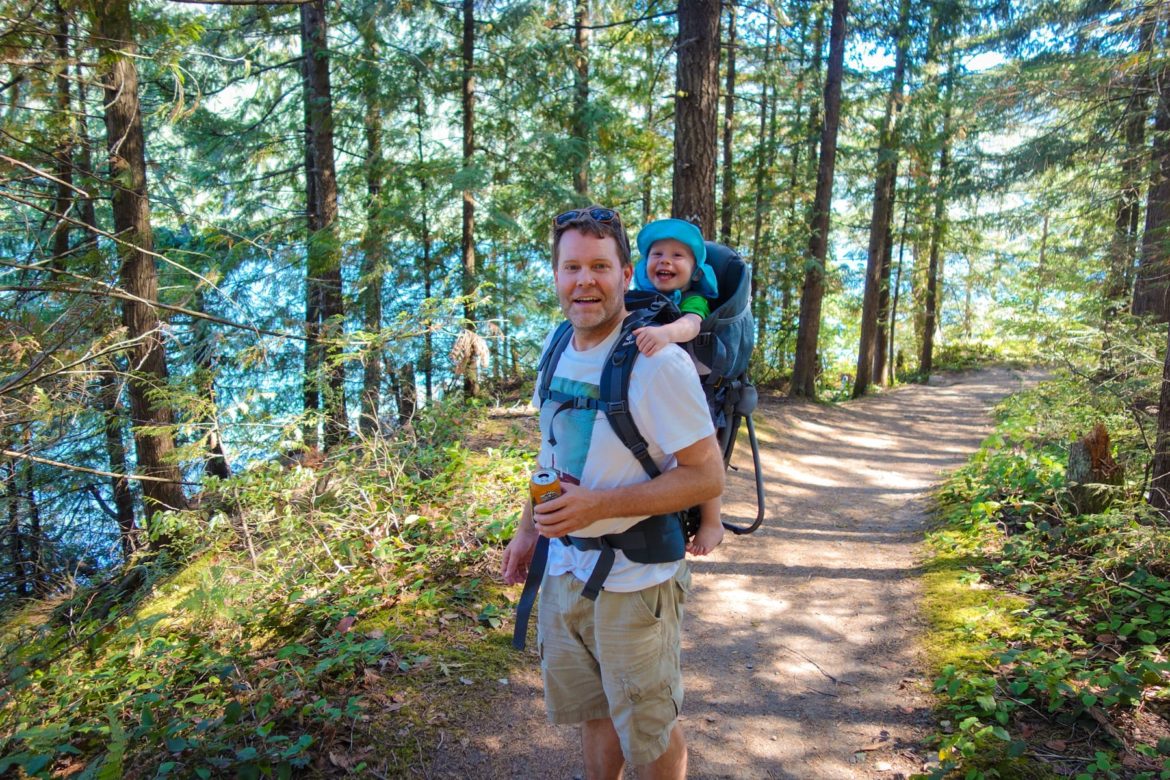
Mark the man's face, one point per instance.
(591, 284)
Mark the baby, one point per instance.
(674, 262)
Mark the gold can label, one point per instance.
(545, 485)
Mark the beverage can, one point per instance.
(545, 485)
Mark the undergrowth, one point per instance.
(1050, 630)
(307, 622)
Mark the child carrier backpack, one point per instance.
(723, 346)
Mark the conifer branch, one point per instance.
(84, 470)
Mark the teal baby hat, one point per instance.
(702, 280)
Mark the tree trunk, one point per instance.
(16, 555)
(728, 199)
(86, 211)
(1160, 484)
(204, 357)
(152, 418)
(63, 155)
(696, 114)
(424, 219)
(38, 576)
(879, 226)
(581, 128)
(311, 381)
(892, 364)
(1041, 267)
(804, 370)
(883, 317)
(758, 261)
(373, 241)
(938, 227)
(407, 395)
(471, 375)
(116, 455)
(1150, 294)
(325, 244)
(1123, 251)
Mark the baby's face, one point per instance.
(670, 265)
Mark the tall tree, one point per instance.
(1151, 294)
(877, 266)
(1123, 250)
(152, 418)
(938, 223)
(727, 202)
(471, 371)
(1159, 496)
(761, 163)
(804, 370)
(696, 113)
(66, 143)
(116, 453)
(581, 124)
(324, 255)
(373, 244)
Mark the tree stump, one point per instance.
(1092, 472)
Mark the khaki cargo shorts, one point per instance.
(617, 657)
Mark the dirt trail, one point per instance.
(799, 652)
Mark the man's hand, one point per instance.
(518, 553)
(571, 511)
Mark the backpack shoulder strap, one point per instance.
(615, 392)
(551, 357)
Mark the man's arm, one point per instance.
(698, 477)
(518, 553)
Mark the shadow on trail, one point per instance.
(799, 650)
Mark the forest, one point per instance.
(266, 266)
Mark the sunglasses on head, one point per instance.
(598, 214)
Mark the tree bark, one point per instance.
(727, 202)
(879, 226)
(424, 220)
(1159, 497)
(324, 244)
(16, 555)
(758, 262)
(37, 570)
(471, 375)
(581, 128)
(883, 317)
(696, 114)
(373, 241)
(205, 368)
(804, 370)
(407, 395)
(311, 381)
(1123, 250)
(151, 419)
(892, 363)
(938, 226)
(1151, 294)
(1041, 266)
(116, 455)
(63, 155)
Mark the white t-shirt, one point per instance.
(667, 404)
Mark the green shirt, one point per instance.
(695, 304)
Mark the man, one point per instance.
(612, 664)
